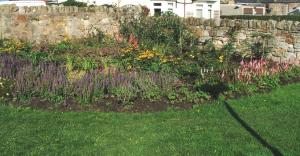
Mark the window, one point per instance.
(199, 13)
(209, 6)
(157, 4)
(199, 5)
(157, 12)
(248, 11)
(170, 9)
(259, 11)
(170, 4)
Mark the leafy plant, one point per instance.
(124, 94)
(74, 3)
(6, 90)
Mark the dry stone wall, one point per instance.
(55, 23)
(284, 37)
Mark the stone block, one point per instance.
(297, 45)
(288, 25)
(241, 36)
(280, 25)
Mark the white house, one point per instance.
(206, 9)
(24, 3)
(184, 8)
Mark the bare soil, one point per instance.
(105, 105)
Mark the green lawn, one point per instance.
(206, 130)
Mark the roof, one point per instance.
(267, 1)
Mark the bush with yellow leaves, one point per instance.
(13, 46)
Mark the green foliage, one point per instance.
(147, 89)
(172, 95)
(167, 30)
(61, 47)
(267, 83)
(191, 96)
(260, 48)
(74, 3)
(292, 75)
(57, 97)
(124, 94)
(6, 90)
(77, 63)
(265, 18)
(14, 46)
(238, 89)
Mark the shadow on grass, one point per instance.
(261, 140)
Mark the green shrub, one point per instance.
(124, 94)
(147, 89)
(292, 75)
(167, 30)
(14, 46)
(6, 90)
(267, 83)
(238, 89)
(74, 3)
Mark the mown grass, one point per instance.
(205, 130)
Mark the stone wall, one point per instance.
(55, 23)
(284, 35)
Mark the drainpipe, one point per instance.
(184, 9)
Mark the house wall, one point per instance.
(278, 8)
(291, 6)
(190, 9)
(282, 8)
(24, 3)
(233, 9)
(177, 8)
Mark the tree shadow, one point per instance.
(261, 140)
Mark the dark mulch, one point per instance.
(105, 105)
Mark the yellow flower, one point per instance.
(127, 50)
(75, 75)
(221, 58)
(147, 55)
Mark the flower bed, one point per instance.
(154, 64)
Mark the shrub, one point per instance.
(6, 89)
(74, 3)
(267, 83)
(14, 46)
(291, 75)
